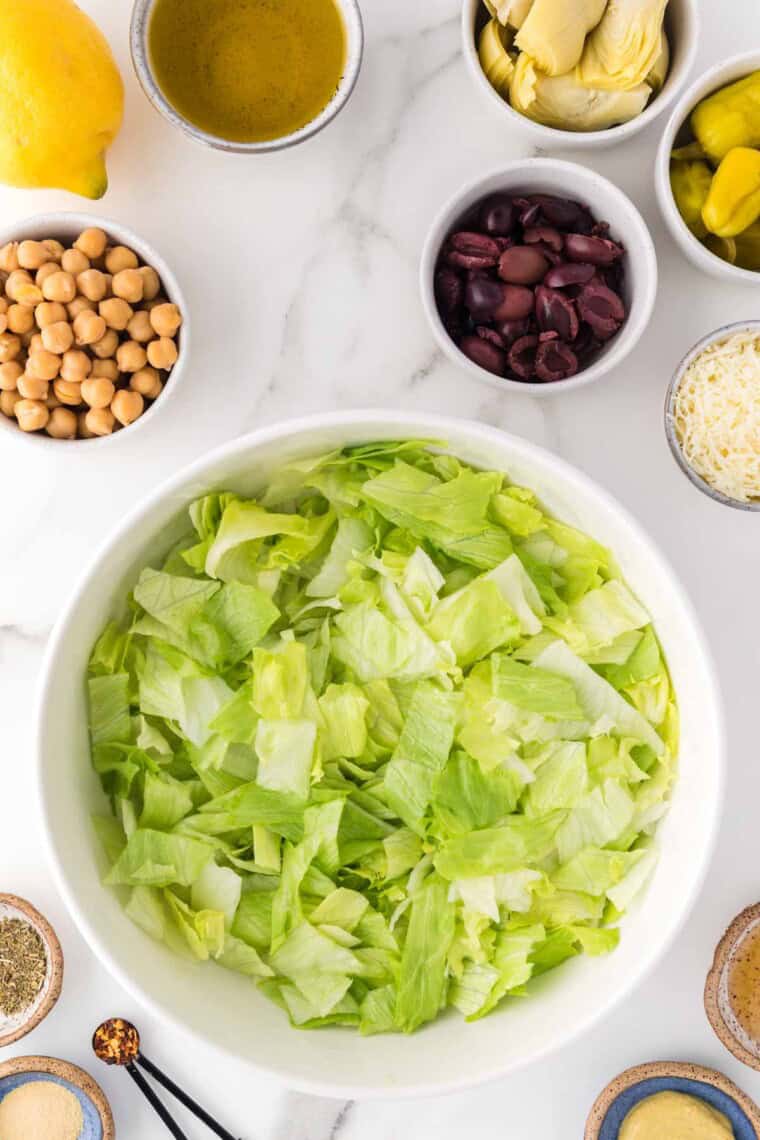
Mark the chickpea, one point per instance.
(20, 319)
(34, 343)
(162, 353)
(4, 306)
(76, 365)
(9, 374)
(98, 391)
(58, 337)
(32, 254)
(8, 401)
(116, 313)
(80, 305)
(108, 368)
(9, 257)
(89, 327)
(165, 319)
(62, 424)
(119, 257)
(106, 346)
(127, 406)
(92, 284)
(131, 356)
(20, 288)
(60, 286)
(99, 421)
(68, 392)
(32, 415)
(43, 365)
(55, 248)
(75, 262)
(49, 313)
(32, 388)
(10, 347)
(140, 328)
(147, 382)
(83, 432)
(45, 271)
(129, 285)
(92, 243)
(151, 282)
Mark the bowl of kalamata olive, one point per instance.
(539, 277)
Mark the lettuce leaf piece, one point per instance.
(253, 919)
(344, 711)
(421, 753)
(155, 859)
(598, 818)
(518, 842)
(353, 538)
(534, 689)
(217, 888)
(422, 978)
(109, 708)
(285, 749)
(465, 798)
(474, 621)
(165, 801)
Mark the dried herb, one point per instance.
(23, 965)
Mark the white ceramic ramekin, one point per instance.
(675, 133)
(608, 204)
(66, 227)
(682, 26)
(224, 1009)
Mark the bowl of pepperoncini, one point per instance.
(707, 172)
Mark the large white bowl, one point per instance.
(225, 1009)
(608, 203)
(677, 132)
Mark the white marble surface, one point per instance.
(300, 271)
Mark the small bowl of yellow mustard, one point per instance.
(669, 1099)
(247, 76)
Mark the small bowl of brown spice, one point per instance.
(732, 989)
(31, 968)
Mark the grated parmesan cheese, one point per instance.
(716, 413)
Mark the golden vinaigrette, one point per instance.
(247, 70)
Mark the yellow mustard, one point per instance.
(676, 1116)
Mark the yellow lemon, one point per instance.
(61, 97)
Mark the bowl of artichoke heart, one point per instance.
(708, 171)
(374, 737)
(247, 76)
(586, 74)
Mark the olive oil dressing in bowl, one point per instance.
(247, 75)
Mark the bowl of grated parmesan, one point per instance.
(712, 415)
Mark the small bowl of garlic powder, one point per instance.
(712, 415)
(43, 1098)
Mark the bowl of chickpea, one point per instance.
(93, 330)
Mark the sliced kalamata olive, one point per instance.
(449, 292)
(516, 303)
(555, 361)
(597, 250)
(530, 210)
(470, 250)
(522, 265)
(497, 216)
(482, 352)
(602, 309)
(547, 235)
(569, 273)
(491, 335)
(556, 313)
(550, 254)
(522, 356)
(482, 296)
(511, 331)
(561, 212)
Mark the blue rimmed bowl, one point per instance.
(628, 1089)
(96, 1111)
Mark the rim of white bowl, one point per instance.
(675, 81)
(520, 172)
(438, 427)
(719, 75)
(38, 224)
(138, 39)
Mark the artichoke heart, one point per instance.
(509, 12)
(554, 32)
(690, 183)
(659, 73)
(625, 46)
(729, 117)
(561, 101)
(494, 58)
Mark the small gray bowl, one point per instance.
(141, 16)
(670, 425)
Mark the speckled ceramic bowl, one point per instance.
(634, 1085)
(717, 1003)
(14, 1028)
(96, 1111)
